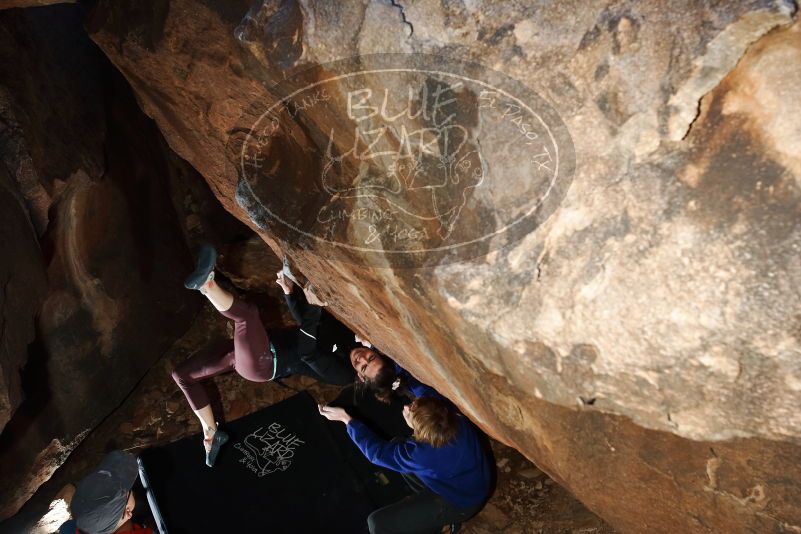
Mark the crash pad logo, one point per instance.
(268, 449)
(409, 159)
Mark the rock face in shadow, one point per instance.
(8, 4)
(24, 285)
(93, 252)
(637, 335)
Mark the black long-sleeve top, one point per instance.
(321, 336)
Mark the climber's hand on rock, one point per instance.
(311, 296)
(285, 283)
(363, 341)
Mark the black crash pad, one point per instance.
(285, 469)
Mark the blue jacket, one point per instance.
(415, 387)
(458, 471)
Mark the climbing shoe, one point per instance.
(219, 439)
(206, 259)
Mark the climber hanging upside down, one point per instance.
(384, 377)
(318, 347)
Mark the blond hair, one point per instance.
(433, 421)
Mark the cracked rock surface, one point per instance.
(650, 323)
(641, 343)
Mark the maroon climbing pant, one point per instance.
(251, 357)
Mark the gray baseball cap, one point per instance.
(101, 496)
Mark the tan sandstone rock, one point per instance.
(639, 340)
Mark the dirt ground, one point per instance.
(525, 501)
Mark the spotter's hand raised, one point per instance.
(334, 414)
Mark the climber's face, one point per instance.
(366, 362)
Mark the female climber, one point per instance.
(443, 462)
(384, 377)
(318, 347)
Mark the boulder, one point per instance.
(93, 252)
(24, 286)
(591, 245)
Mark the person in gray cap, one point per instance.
(103, 502)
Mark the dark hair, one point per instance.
(381, 384)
